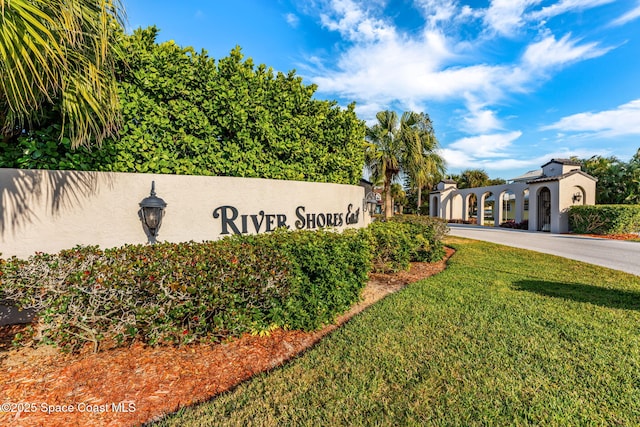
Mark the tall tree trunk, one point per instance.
(419, 198)
(388, 202)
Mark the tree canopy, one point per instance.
(618, 181)
(471, 178)
(402, 145)
(186, 113)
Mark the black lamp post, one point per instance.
(152, 211)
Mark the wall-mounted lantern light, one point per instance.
(152, 211)
(577, 197)
(369, 203)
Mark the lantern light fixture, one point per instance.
(369, 203)
(152, 211)
(577, 197)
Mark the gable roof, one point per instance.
(528, 176)
(563, 162)
(559, 177)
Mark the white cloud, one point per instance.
(550, 52)
(482, 146)
(397, 69)
(628, 17)
(292, 19)
(450, 60)
(355, 23)
(509, 168)
(456, 159)
(624, 120)
(438, 11)
(460, 160)
(379, 65)
(481, 120)
(506, 17)
(564, 6)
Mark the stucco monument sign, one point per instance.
(49, 211)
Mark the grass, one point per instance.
(502, 337)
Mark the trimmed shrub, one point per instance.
(405, 238)
(185, 113)
(179, 293)
(330, 270)
(605, 219)
(426, 233)
(171, 293)
(392, 245)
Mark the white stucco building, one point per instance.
(540, 197)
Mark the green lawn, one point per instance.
(502, 337)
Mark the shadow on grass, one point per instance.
(611, 298)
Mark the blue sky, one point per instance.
(509, 84)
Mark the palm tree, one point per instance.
(472, 178)
(60, 51)
(383, 153)
(425, 166)
(401, 145)
(398, 196)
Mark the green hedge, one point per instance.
(185, 113)
(429, 232)
(180, 293)
(392, 243)
(171, 293)
(406, 238)
(605, 219)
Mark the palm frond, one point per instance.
(59, 49)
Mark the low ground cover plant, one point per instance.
(605, 219)
(171, 293)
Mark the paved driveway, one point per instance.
(616, 254)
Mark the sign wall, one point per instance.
(49, 211)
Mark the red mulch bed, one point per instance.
(149, 382)
(613, 236)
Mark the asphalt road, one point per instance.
(615, 254)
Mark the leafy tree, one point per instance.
(399, 145)
(59, 52)
(618, 181)
(185, 113)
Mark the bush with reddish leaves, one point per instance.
(171, 293)
(524, 225)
